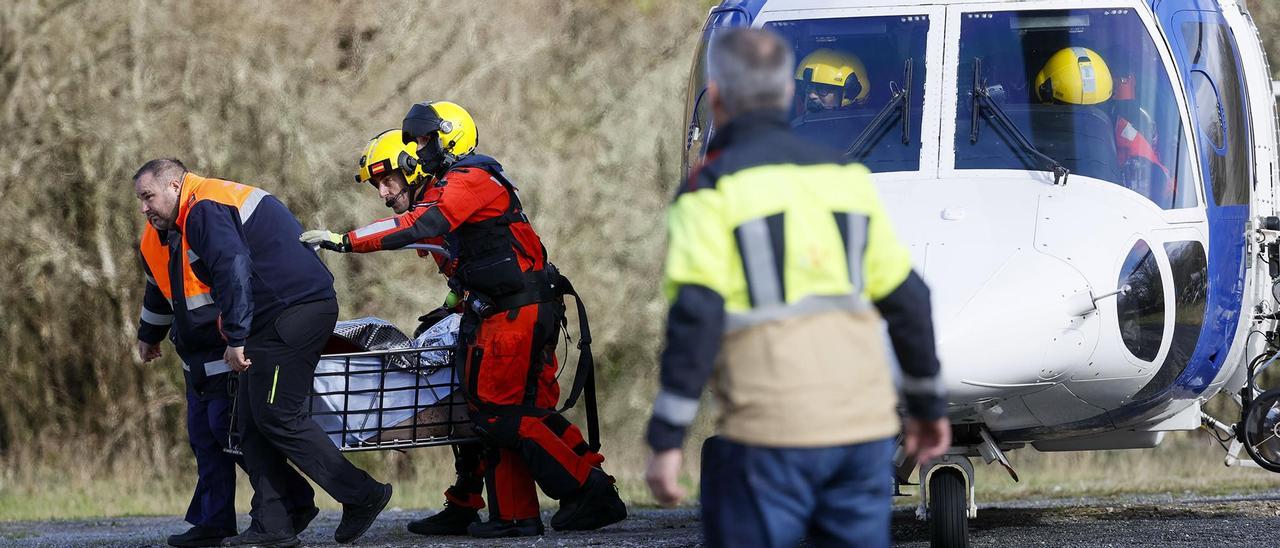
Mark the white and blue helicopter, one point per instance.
(1101, 263)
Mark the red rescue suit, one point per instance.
(1135, 153)
(509, 362)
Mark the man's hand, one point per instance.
(148, 351)
(664, 468)
(328, 240)
(926, 440)
(234, 355)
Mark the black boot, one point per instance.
(201, 536)
(254, 537)
(356, 519)
(453, 520)
(499, 528)
(595, 505)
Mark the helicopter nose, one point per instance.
(1009, 322)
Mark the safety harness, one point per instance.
(490, 273)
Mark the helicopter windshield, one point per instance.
(858, 82)
(1087, 87)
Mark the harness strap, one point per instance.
(553, 285)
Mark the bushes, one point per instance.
(581, 102)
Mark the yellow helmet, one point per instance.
(449, 129)
(1078, 76)
(387, 152)
(828, 67)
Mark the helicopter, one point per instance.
(1089, 190)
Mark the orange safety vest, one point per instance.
(156, 254)
(244, 198)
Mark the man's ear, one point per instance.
(719, 114)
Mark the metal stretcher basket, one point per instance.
(390, 399)
(376, 388)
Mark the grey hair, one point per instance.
(752, 68)
(161, 167)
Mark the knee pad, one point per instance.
(497, 430)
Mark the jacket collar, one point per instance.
(746, 124)
(187, 197)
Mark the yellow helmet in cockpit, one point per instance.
(831, 79)
(1075, 75)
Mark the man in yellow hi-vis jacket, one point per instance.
(781, 266)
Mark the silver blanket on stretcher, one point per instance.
(369, 385)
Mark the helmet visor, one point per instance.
(421, 121)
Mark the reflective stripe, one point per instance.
(922, 386)
(1087, 77)
(151, 280)
(215, 367)
(807, 306)
(380, 226)
(154, 318)
(191, 256)
(675, 409)
(1129, 132)
(186, 367)
(197, 301)
(251, 203)
(760, 262)
(853, 231)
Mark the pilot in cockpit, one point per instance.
(1080, 76)
(827, 80)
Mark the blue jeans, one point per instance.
(769, 496)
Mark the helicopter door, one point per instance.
(1211, 71)
(697, 112)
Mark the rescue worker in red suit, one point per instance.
(1136, 142)
(513, 308)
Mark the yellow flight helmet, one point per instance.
(389, 152)
(450, 131)
(1076, 75)
(834, 68)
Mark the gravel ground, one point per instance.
(1146, 520)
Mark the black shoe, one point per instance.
(303, 518)
(356, 519)
(595, 505)
(500, 528)
(253, 537)
(453, 520)
(201, 536)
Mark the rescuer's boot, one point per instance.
(499, 528)
(453, 520)
(595, 505)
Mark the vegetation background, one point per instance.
(581, 101)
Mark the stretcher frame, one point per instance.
(453, 427)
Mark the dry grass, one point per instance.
(581, 101)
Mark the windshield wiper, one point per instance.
(980, 97)
(898, 98)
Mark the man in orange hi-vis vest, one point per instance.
(277, 308)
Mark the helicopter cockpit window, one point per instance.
(860, 86)
(1085, 87)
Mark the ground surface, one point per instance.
(1150, 520)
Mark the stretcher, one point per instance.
(376, 389)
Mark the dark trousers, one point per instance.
(284, 352)
(767, 496)
(213, 503)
